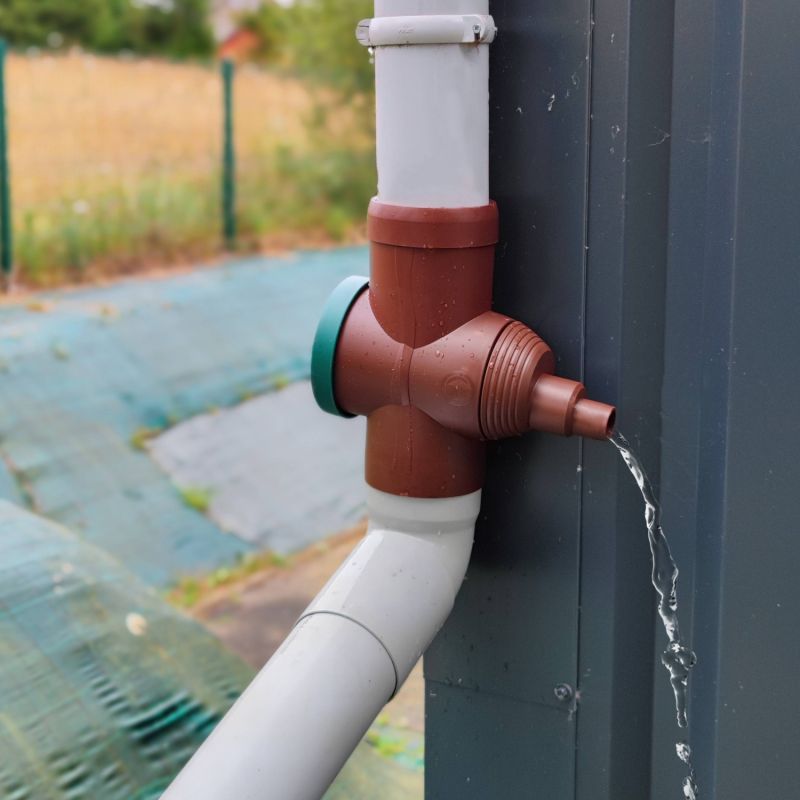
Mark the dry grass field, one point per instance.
(115, 163)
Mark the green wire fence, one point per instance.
(228, 170)
(120, 163)
(6, 233)
(228, 158)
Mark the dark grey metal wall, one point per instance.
(645, 160)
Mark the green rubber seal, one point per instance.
(323, 354)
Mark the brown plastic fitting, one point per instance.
(434, 369)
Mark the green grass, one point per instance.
(191, 589)
(197, 498)
(175, 218)
(324, 190)
(385, 745)
(141, 436)
(120, 229)
(280, 382)
(60, 351)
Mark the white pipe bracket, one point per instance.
(426, 29)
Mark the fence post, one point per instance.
(228, 158)
(6, 245)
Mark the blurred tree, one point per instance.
(335, 178)
(177, 28)
(317, 39)
(31, 22)
(323, 43)
(270, 22)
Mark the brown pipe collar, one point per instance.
(433, 368)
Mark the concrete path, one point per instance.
(278, 472)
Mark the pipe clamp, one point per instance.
(426, 29)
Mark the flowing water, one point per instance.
(678, 658)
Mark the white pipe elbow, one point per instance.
(401, 581)
(294, 727)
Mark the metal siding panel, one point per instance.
(681, 422)
(689, 291)
(626, 268)
(499, 745)
(759, 736)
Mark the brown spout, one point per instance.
(593, 419)
(558, 405)
(434, 369)
(521, 394)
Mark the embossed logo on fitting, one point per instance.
(458, 389)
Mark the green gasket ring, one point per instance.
(323, 353)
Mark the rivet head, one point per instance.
(564, 692)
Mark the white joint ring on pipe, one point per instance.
(426, 29)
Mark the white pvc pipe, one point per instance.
(432, 115)
(286, 736)
(290, 733)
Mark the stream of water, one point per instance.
(678, 658)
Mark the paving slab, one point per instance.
(278, 473)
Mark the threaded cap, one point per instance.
(323, 353)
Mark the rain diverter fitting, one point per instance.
(437, 373)
(418, 350)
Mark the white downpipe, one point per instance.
(292, 730)
(432, 104)
(289, 734)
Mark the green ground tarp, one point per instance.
(83, 373)
(105, 691)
